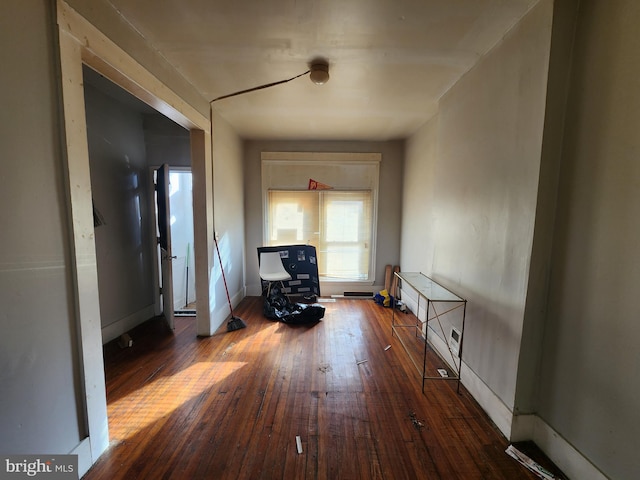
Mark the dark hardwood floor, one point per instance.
(230, 406)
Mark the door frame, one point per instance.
(181, 169)
(152, 225)
(81, 43)
(165, 249)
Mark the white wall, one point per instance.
(471, 175)
(589, 382)
(40, 406)
(471, 181)
(228, 204)
(389, 201)
(419, 212)
(562, 38)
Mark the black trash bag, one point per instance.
(275, 304)
(277, 307)
(305, 314)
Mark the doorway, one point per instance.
(76, 34)
(184, 278)
(124, 136)
(180, 196)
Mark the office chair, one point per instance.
(272, 270)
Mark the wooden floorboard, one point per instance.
(230, 406)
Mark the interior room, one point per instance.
(488, 144)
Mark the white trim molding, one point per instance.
(562, 453)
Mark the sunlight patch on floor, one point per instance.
(162, 397)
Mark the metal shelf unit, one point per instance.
(434, 294)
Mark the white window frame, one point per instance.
(341, 171)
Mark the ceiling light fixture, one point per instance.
(318, 73)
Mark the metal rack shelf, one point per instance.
(433, 293)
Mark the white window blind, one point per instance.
(340, 222)
(337, 223)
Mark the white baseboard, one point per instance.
(117, 328)
(522, 427)
(218, 318)
(85, 460)
(499, 413)
(563, 454)
(222, 311)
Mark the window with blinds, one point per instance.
(337, 223)
(339, 220)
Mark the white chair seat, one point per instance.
(275, 277)
(272, 269)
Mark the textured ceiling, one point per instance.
(390, 60)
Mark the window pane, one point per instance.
(347, 234)
(345, 262)
(337, 223)
(293, 218)
(343, 220)
(288, 221)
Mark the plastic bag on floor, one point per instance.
(383, 298)
(277, 307)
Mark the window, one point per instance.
(340, 222)
(337, 223)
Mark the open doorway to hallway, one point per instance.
(126, 137)
(181, 204)
(80, 44)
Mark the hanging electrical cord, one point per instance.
(267, 85)
(319, 74)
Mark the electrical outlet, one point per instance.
(454, 340)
